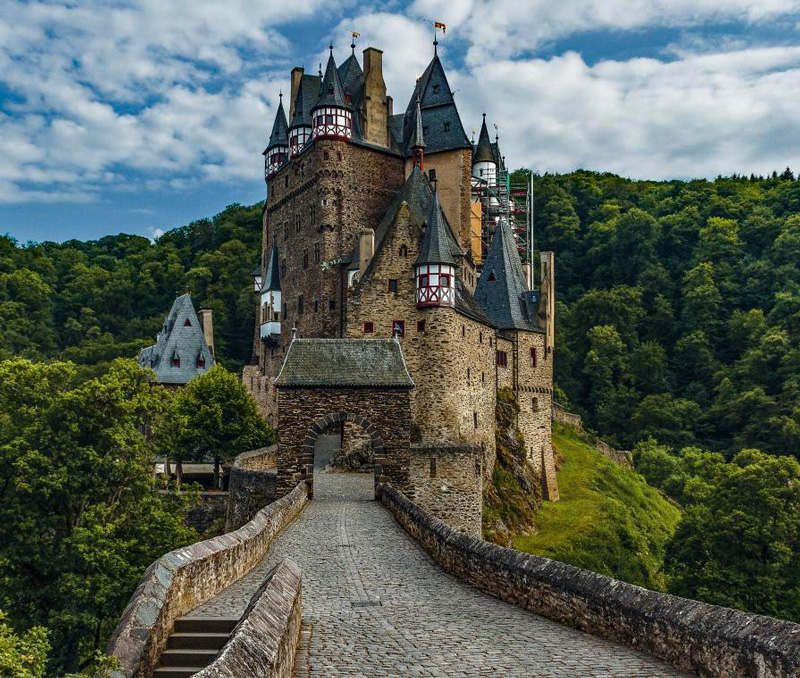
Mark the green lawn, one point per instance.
(608, 518)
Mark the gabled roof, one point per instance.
(280, 130)
(178, 339)
(501, 290)
(344, 363)
(272, 281)
(307, 94)
(332, 92)
(437, 245)
(439, 112)
(483, 151)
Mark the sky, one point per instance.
(138, 117)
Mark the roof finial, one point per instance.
(354, 35)
(330, 47)
(280, 95)
(435, 47)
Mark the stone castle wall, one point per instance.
(184, 579)
(251, 486)
(446, 481)
(693, 636)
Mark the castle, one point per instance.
(380, 225)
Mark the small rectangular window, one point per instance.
(399, 327)
(463, 331)
(535, 405)
(369, 328)
(433, 468)
(420, 326)
(317, 254)
(480, 337)
(533, 357)
(285, 313)
(316, 305)
(300, 305)
(305, 259)
(332, 305)
(475, 419)
(468, 375)
(502, 359)
(393, 285)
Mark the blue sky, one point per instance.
(138, 117)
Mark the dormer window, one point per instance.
(492, 276)
(188, 323)
(447, 127)
(201, 361)
(176, 360)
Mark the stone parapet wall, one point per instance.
(446, 480)
(251, 486)
(619, 457)
(704, 639)
(264, 643)
(184, 579)
(203, 515)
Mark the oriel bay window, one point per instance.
(332, 121)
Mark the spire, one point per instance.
(418, 140)
(280, 130)
(436, 246)
(483, 151)
(501, 290)
(272, 281)
(331, 91)
(302, 108)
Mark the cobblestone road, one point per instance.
(375, 604)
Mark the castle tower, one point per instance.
(300, 129)
(435, 267)
(484, 166)
(332, 115)
(277, 151)
(271, 299)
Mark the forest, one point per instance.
(678, 337)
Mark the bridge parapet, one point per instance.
(705, 639)
(251, 486)
(184, 579)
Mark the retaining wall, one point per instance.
(705, 639)
(619, 457)
(251, 486)
(184, 579)
(264, 643)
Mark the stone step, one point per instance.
(183, 657)
(176, 671)
(205, 624)
(197, 641)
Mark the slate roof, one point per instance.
(418, 140)
(439, 113)
(272, 281)
(501, 290)
(437, 244)
(352, 78)
(307, 94)
(280, 129)
(178, 339)
(344, 363)
(483, 151)
(332, 92)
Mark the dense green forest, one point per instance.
(90, 302)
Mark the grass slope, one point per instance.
(608, 520)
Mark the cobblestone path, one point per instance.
(375, 604)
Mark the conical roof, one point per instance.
(500, 290)
(280, 130)
(437, 246)
(272, 281)
(332, 91)
(483, 151)
(307, 94)
(351, 76)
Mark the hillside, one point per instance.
(608, 518)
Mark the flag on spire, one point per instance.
(439, 24)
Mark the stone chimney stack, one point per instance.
(527, 273)
(547, 303)
(206, 316)
(366, 248)
(374, 106)
(297, 74)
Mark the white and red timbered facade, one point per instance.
(298, 138)
(436, 285)
(333, 122)
(274, 158)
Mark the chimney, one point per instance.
(297, 74)
(389, 106)
(527, 274)
(366, 248)
(547, 303)
(374, 106)
(207, 323)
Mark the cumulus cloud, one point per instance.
(169, 96)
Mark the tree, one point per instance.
(738, 543)
(211, 419)
(23, 656)
(81, 516)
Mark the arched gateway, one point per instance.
(324, 382)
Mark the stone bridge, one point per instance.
(377, 600)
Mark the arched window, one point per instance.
(403, 251)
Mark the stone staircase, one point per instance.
(194, 644)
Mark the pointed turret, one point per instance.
(435, 265)
(277, 151)
(418, 141)
(332, 114)
(271, 298)
(501, 288)
(483, 151)
(300, 129)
